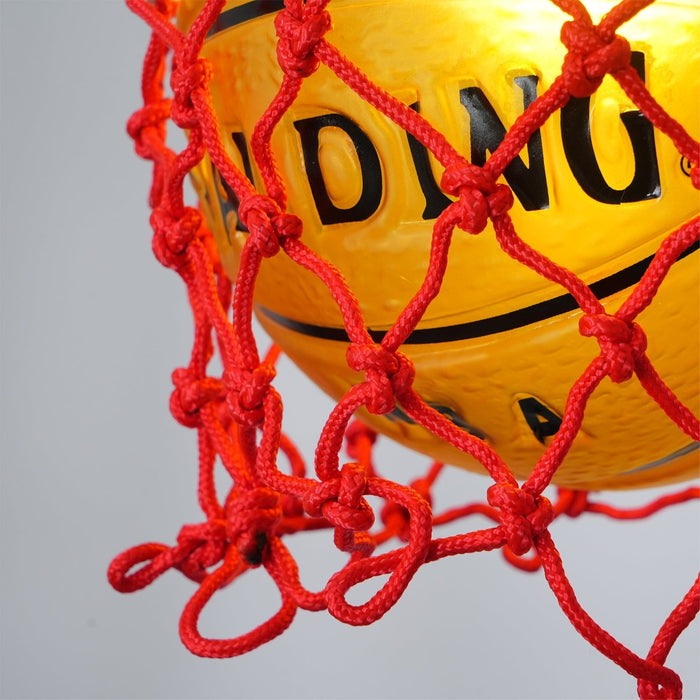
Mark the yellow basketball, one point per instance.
(597, 190)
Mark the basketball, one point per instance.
(597, 189)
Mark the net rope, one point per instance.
(238, 413)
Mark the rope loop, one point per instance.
(190, 395)
(156, 558)
(251, 519)
(480, 198)
(389, 374)
(267, 224)
(184, 82)
(298, 38)
(198, 547)
(622, 344)
(246, 392)
(340, 500)
(590, 57)
(524, 516)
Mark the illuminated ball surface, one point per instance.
(596, 190)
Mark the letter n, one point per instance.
(529, 184)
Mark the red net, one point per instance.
(238, 414)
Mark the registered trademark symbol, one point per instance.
(685, 165)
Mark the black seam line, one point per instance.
(244, 13)
(487, 326)
(688, 449)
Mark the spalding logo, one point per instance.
(529, 183)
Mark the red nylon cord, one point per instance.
(238, 416)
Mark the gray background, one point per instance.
(92, 463)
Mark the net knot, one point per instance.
(199, 546)
(298, 38)
(172, 236)
(203, 545)
(480, 198)
(190, 395)
(622, 343)
(389, 374)
(524, 516)
(590, 57)
(267, 224)
(251, 518)
(246, 392)
(152, 116)
(340, 500)
(184, 82)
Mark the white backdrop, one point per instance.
(92, 463)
